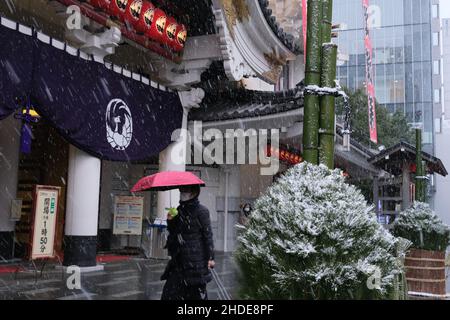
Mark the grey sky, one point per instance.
(445, 8)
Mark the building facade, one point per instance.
(141, 73)
(406, 56)
(442, 201)
(219, 80)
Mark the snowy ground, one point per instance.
(136, 279)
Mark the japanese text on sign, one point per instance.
(128, 213)
(45, 217)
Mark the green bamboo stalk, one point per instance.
(327, 103)
(327, 17)
(327, 106)
(312, 77)
(420, 186)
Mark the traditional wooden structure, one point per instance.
(395, 191)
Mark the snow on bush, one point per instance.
(422, 227)
(313, 236)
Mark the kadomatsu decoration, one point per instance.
(313, 236)
(422, 227)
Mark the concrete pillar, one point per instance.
(170, 160)
(9, 166)
(82, 208)
(173, 158)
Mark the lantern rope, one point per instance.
(336, 92)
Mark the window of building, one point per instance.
(435, 38)
(435, 10)
(437, 95)
(436, 67)
(438, 125)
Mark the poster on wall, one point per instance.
(128, 212)
(45, 213)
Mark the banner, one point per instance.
(110, 115)
(370, 80)
(304, 26)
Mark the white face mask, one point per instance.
(186, 196)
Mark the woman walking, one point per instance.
(191, 248)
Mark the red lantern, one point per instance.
(133, 12)
(156, 31)
(180, 38)
(146, 18)
(170, 32)
(117, 9)
(292, 158)
(101, 4)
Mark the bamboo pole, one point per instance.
(312, 77)
(327, 17)
(420, 182)
(328, 77)
(327, 107)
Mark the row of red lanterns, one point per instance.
(146, 19)
(284, 155)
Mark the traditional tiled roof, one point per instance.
(285, 38)
(405, 151)
(240, 103)
(368, 153)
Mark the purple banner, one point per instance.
(102, 112)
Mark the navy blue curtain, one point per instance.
(98, 110)
(16, 65)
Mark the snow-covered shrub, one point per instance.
(422, 227)
(312, 236)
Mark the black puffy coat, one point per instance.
(190, 243)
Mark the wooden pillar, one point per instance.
(376, 194)
(406, 181)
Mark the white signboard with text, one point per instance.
(44, 225)
(128, 212)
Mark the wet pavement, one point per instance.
(135, 279)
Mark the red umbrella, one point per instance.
(167, 180)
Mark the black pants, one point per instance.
(175, 288)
